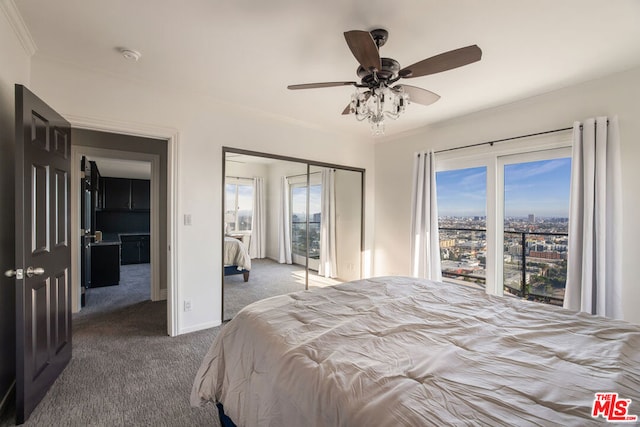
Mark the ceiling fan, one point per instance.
(377, 96)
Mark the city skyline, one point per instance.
(540, 188)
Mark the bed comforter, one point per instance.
(402, 351)
(236, 253)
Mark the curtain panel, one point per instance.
(594, 267)
(425, 241)
(284, 224)
(328, 266)
(257, 245)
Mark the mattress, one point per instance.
(401, 351)
(236, 254)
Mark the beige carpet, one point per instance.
(268, 278)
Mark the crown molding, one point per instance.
(19, 27)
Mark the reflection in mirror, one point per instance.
(288, 227)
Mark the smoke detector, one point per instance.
(130, 54)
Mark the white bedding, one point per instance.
(236, 253)
(401, 351)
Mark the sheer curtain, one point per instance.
(328, 266)
(594, 267)
(257, 245)
(284, 223)
(425, 244)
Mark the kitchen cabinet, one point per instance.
(105, 264)
(126, 194)
(136, 249)
(116, 193)
(140, 194)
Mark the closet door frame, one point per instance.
(309, 164)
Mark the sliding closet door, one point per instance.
(306, 218)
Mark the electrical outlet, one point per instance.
(187, 219)
(187, 305)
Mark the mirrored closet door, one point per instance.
(289, 225)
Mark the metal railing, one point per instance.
(522, 288)
(299, 238)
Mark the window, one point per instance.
(503, 217)
(462, 220)
(238, 204)
(535, 225)
(299, 221)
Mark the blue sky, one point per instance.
(540, 188)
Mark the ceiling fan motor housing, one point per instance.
(389, 71)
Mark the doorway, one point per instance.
(139, 151)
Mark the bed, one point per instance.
(236, 258)
(402, 351)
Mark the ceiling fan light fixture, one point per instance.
(377, 104)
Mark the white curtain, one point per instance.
(594, 266)
(425, 244)
(257, 245)
(328, 266)
(284, 223)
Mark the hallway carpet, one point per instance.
(125, 370)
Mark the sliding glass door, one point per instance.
(306, 215)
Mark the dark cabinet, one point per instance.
(126, 194)
(105, 264)
(140, 194)
(117, 193)
(136, 249)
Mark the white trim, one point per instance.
(200, 327)
(172, 137)
(18, 25)
(163, 294)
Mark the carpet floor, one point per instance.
(267, 279)
(125, 370)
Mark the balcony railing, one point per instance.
(299, 238)
(530, 270)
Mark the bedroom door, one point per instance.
(43, 251)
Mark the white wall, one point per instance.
(14, 68)
(204, 126)
(348, 218)
(613, 95)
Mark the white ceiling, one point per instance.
(118, 168)
(246, 52)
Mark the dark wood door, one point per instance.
(43, 251)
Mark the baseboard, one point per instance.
(6, 400)
(199, 327)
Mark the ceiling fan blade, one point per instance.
(364, 48)
(419, 95)
(319, 85)
(443, 62)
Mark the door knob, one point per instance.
(38, 271)
(18, 273)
